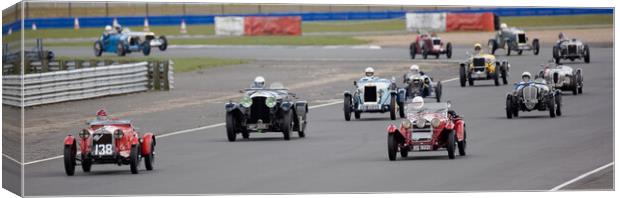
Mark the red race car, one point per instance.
(427, 127)
(429, 45)
(109, 141)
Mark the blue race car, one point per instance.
(374, 95)
(121, 43)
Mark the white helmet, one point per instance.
(417, 102)
(414, 68)
(108, 28)
(369, 72)
(503, 26)
(526, 74)
(259, 82)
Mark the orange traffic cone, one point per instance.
(183, 27)
(146, 25)
(76, 24)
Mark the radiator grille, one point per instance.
(521, 38)
(370, 94)
(259, 110)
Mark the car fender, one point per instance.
(148, 139)
(402, 95)
(231, 106)
(449, 125)
(286, 106)
(301, 107)
(69, 140)
(459, 129)
(135, 140)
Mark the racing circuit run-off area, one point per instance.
(141, 98)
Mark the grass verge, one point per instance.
(180, 64)
(568, 20)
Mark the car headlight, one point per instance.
(435, 122)
(84, 133)
(420, 123)
(270, 102)
(406, 123)
(118, 134)
(246, 102)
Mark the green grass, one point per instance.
(180, 64)
(539, 21)
(246, 40)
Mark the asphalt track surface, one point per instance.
(532, 152)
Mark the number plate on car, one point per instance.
(421, 147)
(102, 149)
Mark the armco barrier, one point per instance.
(305, 16)
(67, 85)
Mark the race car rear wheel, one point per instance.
(509, 107)
(438, 91)
(287, 124)
(393, 107)
(134, 162)
(574, 87)
(496, 76)
(551, 107)
(231, 134)
(449, 50)
(586, 51)
(69, 158)
(462, 145)
(450, 144)
(424, 53)
(392, 146)
(98, 48)
(86, 163)
(164, 43)
(462, 76)
(508, 49)
(149, 160)
(504, 72)
(347, 107)
(536, 46)
(413, 50)
(492, 46)
(558, 103)
(120, 49)
(579, 82)
(146, 47)
(401, 109)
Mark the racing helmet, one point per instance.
(369, 72)
(414, 68)
(417, 102)
(102, 114)
(561, 36)
(503, 26)
(526, 76)
(259, 82)
(478, 48)
(108, 28)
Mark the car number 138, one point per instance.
(103, 149)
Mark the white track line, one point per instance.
(12, 159)
(169, 134)
(581, 177)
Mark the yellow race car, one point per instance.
(483, 67)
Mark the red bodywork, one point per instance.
(425, 42)
(447, 123)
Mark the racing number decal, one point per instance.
(103, 149)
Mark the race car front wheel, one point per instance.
(231, 134)
(393, 107)
(462, 145)
(347, 107)
(287, 122)
(86, 163)
(133, 159)
(164, 43)
(450, 144)
(69, 158)
(149, 160)
(509, 108)
(392, 146)
(462, 76)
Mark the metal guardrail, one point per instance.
(77, 84)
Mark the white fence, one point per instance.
(60, 86)
(426, 22)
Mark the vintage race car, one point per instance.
(422, 85)
(374, 95)
(429, 45)
(430, 128)
(483, 67)
(159, 42)
(512, 39)
(563, 77)
(571, 49)
(125, 42)
(111, 141)
(272, 109)
(535, 95)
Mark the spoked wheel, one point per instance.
(134, 160)
(558, 103)
(504, 72)
(450, 144)
(69, 153)
(496, 76)
(302, 126)
(392, 147)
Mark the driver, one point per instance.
(477, 49)
(417, 102)
(526, 78)
(369, 73)
(561, 39)
(102, 115)
(259, 83)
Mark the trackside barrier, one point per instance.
(78, 84)
(449, 22)
(174, 20)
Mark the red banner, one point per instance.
(258, 25)
(470, 22)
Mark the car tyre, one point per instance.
(450, 144)
(149, 160)
(504, 72)
(558, 103)
(393, 107)
(449, 50)
(98, 48)
(120, 49)
(86, 163)
(462, 145)
(509, 107)
(462, 76)
(164, 43)
(392, 146)
(412, 50)
(347, 107)
(438, 91)
(586, 50)
(496, 76)
(69, 153)
(536, 46)
(552, 107)
(508, 49)
(231, 133)
(492, 46)
(401, 109)
(287, 122)
(134, 162)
